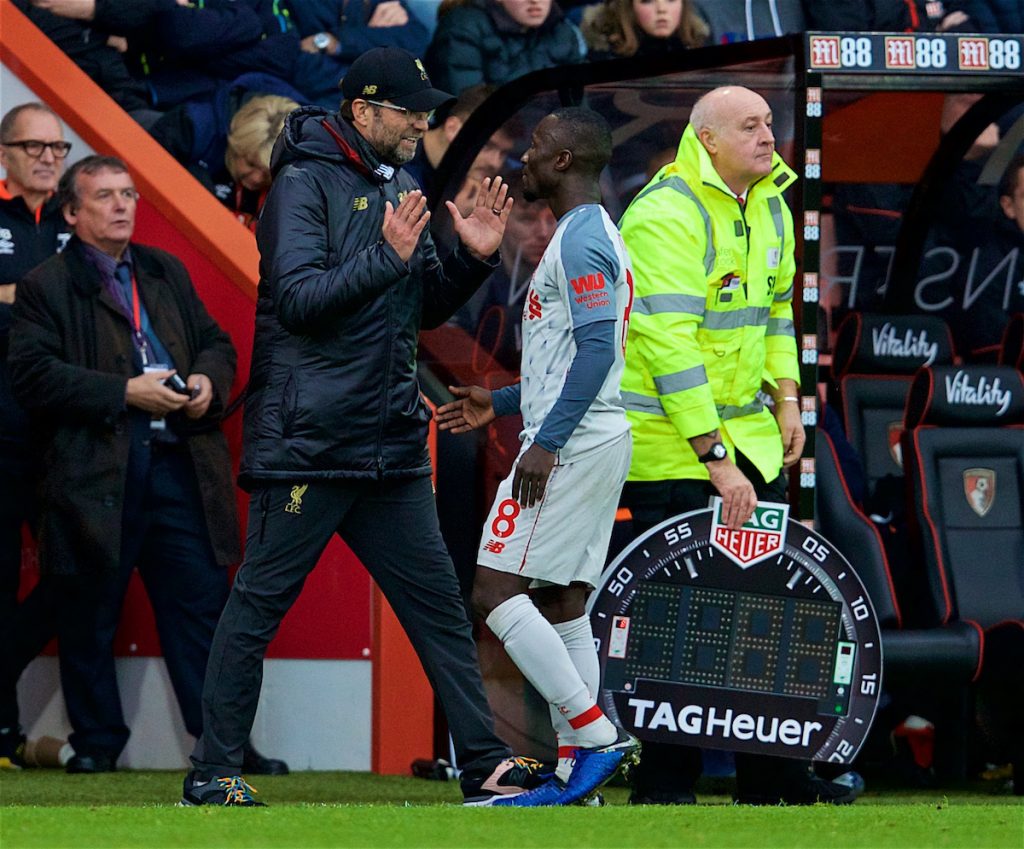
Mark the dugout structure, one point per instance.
(878, 126)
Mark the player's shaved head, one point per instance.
(587, 134)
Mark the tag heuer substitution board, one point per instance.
(759, 640)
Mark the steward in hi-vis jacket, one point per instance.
(712, 314)
(710, 339)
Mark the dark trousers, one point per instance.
(165, 536)
(392, 527)
(25, 628)
(664, 767)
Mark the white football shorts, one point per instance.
(563, 538)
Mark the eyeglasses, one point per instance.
(410, 116)
(35, 148)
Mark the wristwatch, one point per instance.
(715, 452)
(321, 41)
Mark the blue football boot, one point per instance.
(595, 767)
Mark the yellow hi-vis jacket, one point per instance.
(712, 315)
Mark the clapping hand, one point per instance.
(402, 227)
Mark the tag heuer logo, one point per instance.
(980, 489)
(761, 537)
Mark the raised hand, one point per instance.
(402, 227)
(481, 231)
(473, 409)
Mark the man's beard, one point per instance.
(397, 157)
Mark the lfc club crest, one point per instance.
(980, 489)
(761, 536)
(894, 432)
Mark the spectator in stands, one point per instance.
(1000, 16)
(891, 15)
(254, 129)
(196, 133)
(747, 20)
(990, 284)
(495, 41)
(641, 28)
(32, 153)
(136, 471)
(334, 33)
(182, 50)
(89, 48)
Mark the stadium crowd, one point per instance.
(216, 83)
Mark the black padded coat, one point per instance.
(333, 390)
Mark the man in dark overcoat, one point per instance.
(126, 377)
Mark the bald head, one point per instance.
(715, 108)
(735, 126)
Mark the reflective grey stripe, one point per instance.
(654, 304)
(744, 317)
(783, 295)
(727, 411)
(642, 404)
(775, 206)
(780, 327)
(680, 380)
(680, 186)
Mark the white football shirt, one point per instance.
(584, 276)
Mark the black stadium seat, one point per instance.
(926, 670)
(964, 451)
(964, 447)
(874, 362)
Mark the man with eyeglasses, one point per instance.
(32, 153)
(335, 435)
(136, 471)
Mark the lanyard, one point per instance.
(141, 343)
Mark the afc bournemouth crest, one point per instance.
(980, 489)
(894, 432)
(759, 538)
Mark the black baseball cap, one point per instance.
(395, 75)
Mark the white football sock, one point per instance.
(536, 648)
(578, 638)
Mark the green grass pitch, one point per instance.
(44, 808)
